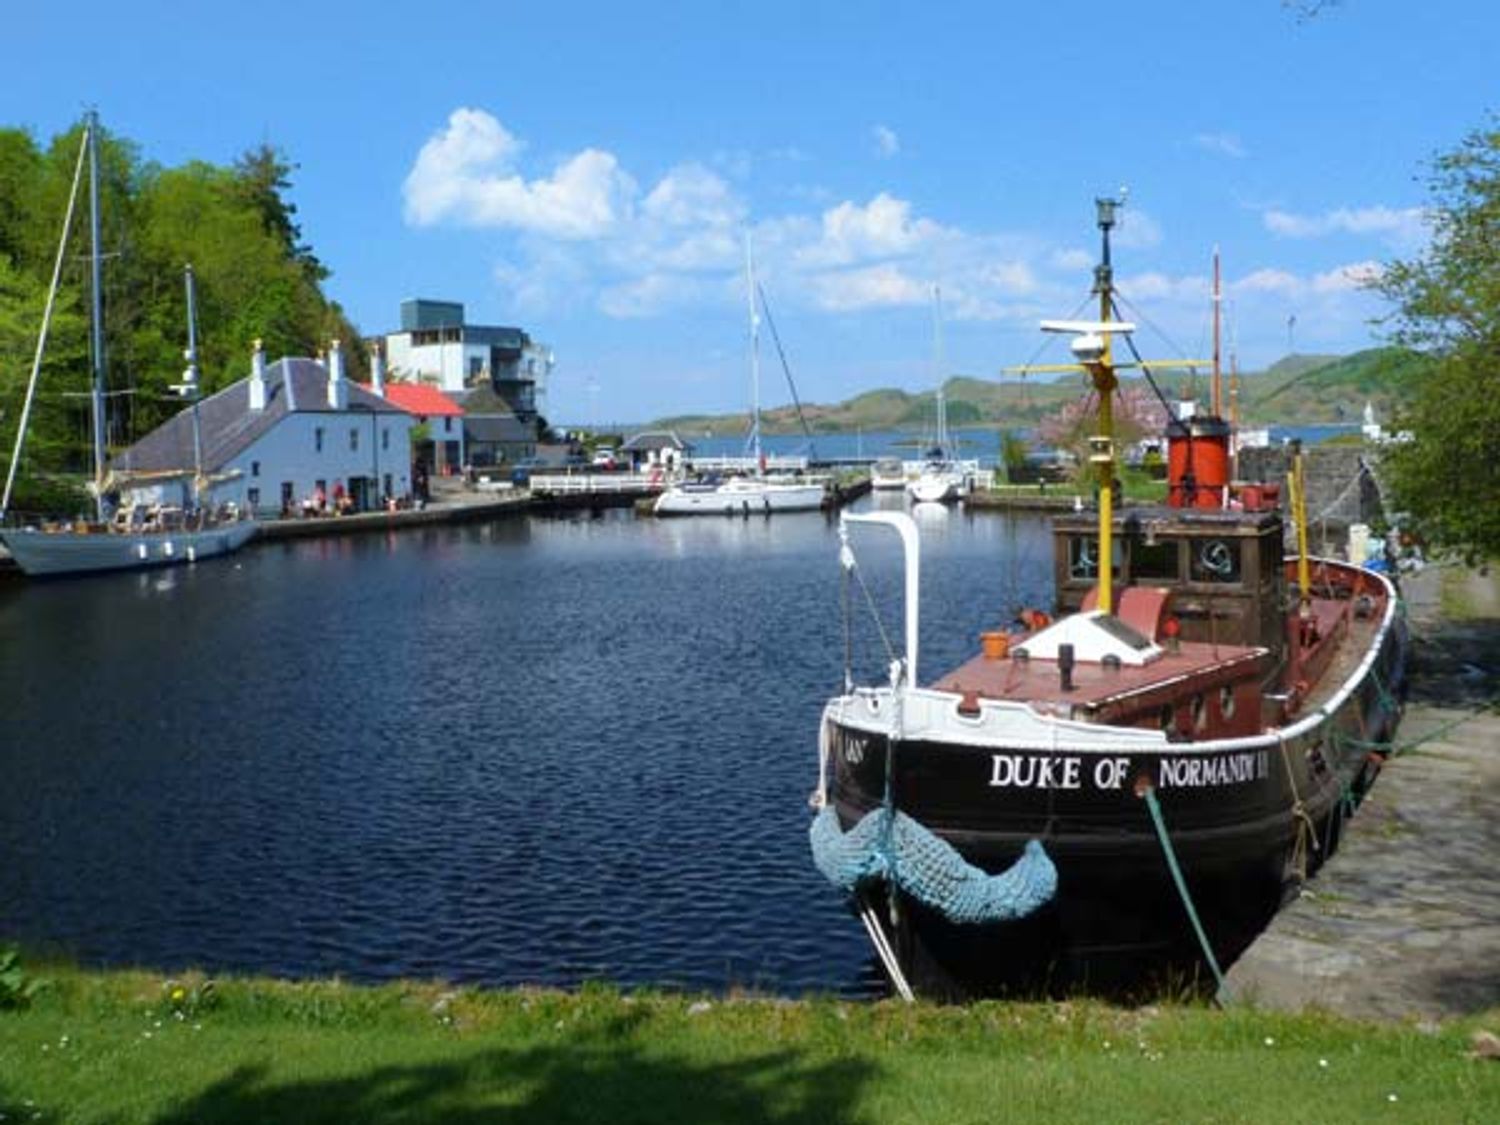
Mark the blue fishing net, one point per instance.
(892, 846)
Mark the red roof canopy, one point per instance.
(419, 398)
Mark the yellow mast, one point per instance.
(1103, 444)
(1297, 480)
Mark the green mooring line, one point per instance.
(1187, 899)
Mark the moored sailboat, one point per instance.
(129, 538)
(758, 493)
(1131, 790)
(941, 479)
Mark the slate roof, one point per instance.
(498, 427)
(228, 426)
(483, 399)
(654, 440)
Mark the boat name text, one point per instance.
(1044, 771)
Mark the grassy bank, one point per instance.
(133, 1047)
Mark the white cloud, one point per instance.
(1011, 279)
(1071, 260)
(882, 286)
(1356, 275)
(882, 228)
(585, 235)
(691, 195)
(649, 296)
(1404, 227)
(887, 144)
(465, 174)
(1224, 144)
(1268, 281)
(1136, 230)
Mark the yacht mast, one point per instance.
(189, 386)
(937, 373)
(754, 356)
(97, 312)
(1218, 299)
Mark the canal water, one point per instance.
(533, 751)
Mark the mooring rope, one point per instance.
(1182, 889)
(1306, 830)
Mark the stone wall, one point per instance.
(1343, 485)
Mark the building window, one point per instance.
(476, 366)
(255, 468)
(447, 425)
(318, 440)
(253, 496)
(354, 440)
(385, 439)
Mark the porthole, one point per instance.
(1167, 716)
(1226, 701)
(1200, 713)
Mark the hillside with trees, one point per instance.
(255, 278)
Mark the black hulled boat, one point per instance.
(1128, 793)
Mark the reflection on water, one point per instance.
(525, 751)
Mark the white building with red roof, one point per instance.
(442, 451)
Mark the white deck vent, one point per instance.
(1093, 635)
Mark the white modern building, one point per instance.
(291, 434)
(434, 345)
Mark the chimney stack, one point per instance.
(377, 370)
(338, 388)
(257, 377)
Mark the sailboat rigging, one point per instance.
(128, 538)
(759, 492)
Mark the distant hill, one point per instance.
(1337, 389)
(1304, 388)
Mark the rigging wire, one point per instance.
(785, 367)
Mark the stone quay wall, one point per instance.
(1343, 481)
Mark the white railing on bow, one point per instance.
(592, 484)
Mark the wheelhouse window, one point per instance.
(1083, 557)
(1216, 560)
(1156, 560)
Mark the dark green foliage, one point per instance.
(17, 986)
(1448, 307)
(256, 279)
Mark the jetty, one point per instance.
(1404, 921)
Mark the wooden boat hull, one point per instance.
(42, 554)
(1247, 818)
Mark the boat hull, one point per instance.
(43, 554)
(936, 488)
(1247, 818)
(739, 500)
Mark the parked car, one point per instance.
(605, 458)
(520, 472)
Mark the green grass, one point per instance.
(117, 1048)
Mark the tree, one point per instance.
(1447, 305)
(264, 176)
(255, 279)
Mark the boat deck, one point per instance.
(1038, 682)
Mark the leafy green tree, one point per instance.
(1447, 478)
(256, 278)
(264, 177)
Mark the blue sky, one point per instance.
(588, 171)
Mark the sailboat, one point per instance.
(129, 538)
(759, 493)
(941, 479)
(1127, 793)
